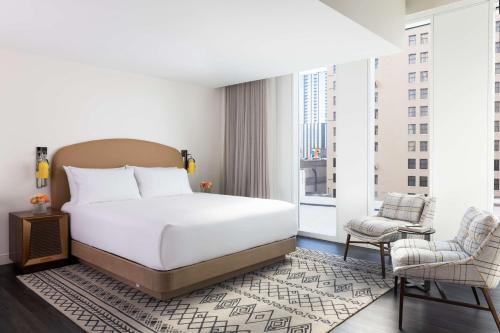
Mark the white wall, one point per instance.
(53, 103)
(354, 143)
(462, 142)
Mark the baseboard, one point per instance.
(4, 259)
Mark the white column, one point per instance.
(462, 141)
(354, 142)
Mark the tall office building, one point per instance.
(313, 100)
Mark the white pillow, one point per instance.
(99, 185)
(72, 186)
(157, 182)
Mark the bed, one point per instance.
(168, 246)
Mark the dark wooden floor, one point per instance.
(21, 310)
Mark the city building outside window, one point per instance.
(376, 129)
(376, 113)
(376, 146)
(411, 77)
(423, 181)
(412, 163)
(334, 116)
(424, 92)
(412, 146)
(412, 94)
(412, 40)
(376, 96)
(334, 100)
(497, 106)
(412, 58)
(497, 26)
(497, 87)
(497, 126)
(376, 179)
(424, 76)
(424, 163)
(497, 68)
(412, 129)
(424, 129)
(424, 38)
(497, 187)
(424, 57)
(335, 146)
(412, 111)
(497, 47)
(334, 177)
(412, 181)
(424, 111)
(335, 131)
(497, 165)
(423, 146)
(497, 145)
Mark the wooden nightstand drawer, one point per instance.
(38, 239)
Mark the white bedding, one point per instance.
(169, 232)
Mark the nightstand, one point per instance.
(38, 241)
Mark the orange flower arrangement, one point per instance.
(39, 198)
(206, 186)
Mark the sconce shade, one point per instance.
(191, 166)
(42, 170)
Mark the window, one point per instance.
(376, 179)
(376, 129)
(423, 146)
(497, 126)
(412, 58)
(334, 100)
(335, 131)
(334, 85)
(376, 96)
(412, 181)
(334, 177)
(497, 165)
(412, 129)
(424, 111)
(411, 77)
(424, 129)
(376, 63)
(424, 38)
(497, 47)
(497, 145)
(424, 163)
(412, 163)
(497, 187)
(497, 106)
(412, 146)
(376, 146)
(424, 93)
(497, 87)
(424, 57)
(335, 146)
(424, 76)
(412, 111)
(412, 94)
(376, 113)
(334, 162)
(423, 181)
(412, 40)
(497, 68)
(497, 26)
(334, 116)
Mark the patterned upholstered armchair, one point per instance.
(397, 210)
(472, 258)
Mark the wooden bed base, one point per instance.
(168, 284)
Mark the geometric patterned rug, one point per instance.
(309, 291)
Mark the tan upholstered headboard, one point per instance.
(109, 153)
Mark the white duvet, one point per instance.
(169, 232)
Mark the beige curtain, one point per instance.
(245, 149)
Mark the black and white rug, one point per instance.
(309, 291)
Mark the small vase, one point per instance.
(40, 208)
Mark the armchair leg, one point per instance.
(347, 246)
(382, 258)
(402, 284)
(395, 285)
(475, 295)
(491, 306)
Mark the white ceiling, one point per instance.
(209, 42)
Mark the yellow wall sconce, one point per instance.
(42, 167)
(189, 162)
